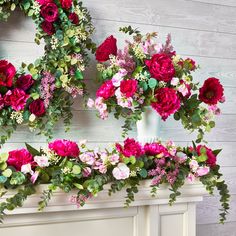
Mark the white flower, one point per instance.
(26, 168)
(32, 118)
(90, 103)
(174, 81)
(42, 161)
(183, 89)
(121, 171)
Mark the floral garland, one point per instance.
(146, 74)
(68, 166)
(40, 94)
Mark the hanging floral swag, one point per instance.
(40, 94)
(149, 74)
(68, 166)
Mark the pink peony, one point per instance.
(128, 87)
(18, 158)
(211, 92)
(131, 148)
(154, 149)
(167, 102)
(7, 73)
(16, 98)
(106, 90)
(64, 148)
(161, 67)
(211, 158)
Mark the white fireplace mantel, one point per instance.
(106, 216)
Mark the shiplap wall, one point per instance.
(202, 29)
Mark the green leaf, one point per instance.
(202, 158)
(32, 150)
(76, 170)
(78, 186)
(152, 83)
(217, 151)
(144, 85)
(35, 96)
(7, 173)
(78, 75)
(17, 178)
(143, 173)
(3, 157)
(3, 179)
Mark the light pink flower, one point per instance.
(90, 103)
(86, 172)
(203, 170)
(88, 158)
(118, 77)
(191, 178)
(121, 171)
(34, 177)
(42, 161)
(193, 165)
(26, 169)
(174, 81)
(114, 159)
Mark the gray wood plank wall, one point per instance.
(202, 29)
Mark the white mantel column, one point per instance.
(106, 216)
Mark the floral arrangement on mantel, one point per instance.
(146, 73)
(40, 94)
(68, 166)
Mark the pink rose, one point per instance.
(18, 158)
(16, 98)
(131, 148)
(24, 82)
(106, 90)
(153, 149)
(7, 73)
(161, 67)
(74, 18)
(48, 28)
(42, 2)
(211, 158)
(167, 102)
(64, 148)
(66, 4)
(49, 12)
(128, 87)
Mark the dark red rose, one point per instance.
(211, 158)
(74, 18)
(48, 28)
(128, 87)
(49, 12)
(107, 48)
(16, 98)
(161, 67)
(211, 92)
(24, 82)
(131, 148)
(66, 4)
(7, 73)
(18, 158)
(167, 102)
(37, 107)
(106, 90)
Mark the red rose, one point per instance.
(49, 12)
(7, 73)
(24, 82)
(211, 158)
(37, 107)
(18, 158)
(161, 67)
(211, 92)
(64, 148)
(66, 4)
(106, 90)
(16, 98)
(107, 48)
(167, 102)
(128, 87)
(42, 2)
(131, 148)
(48, 28)
(73, 17)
